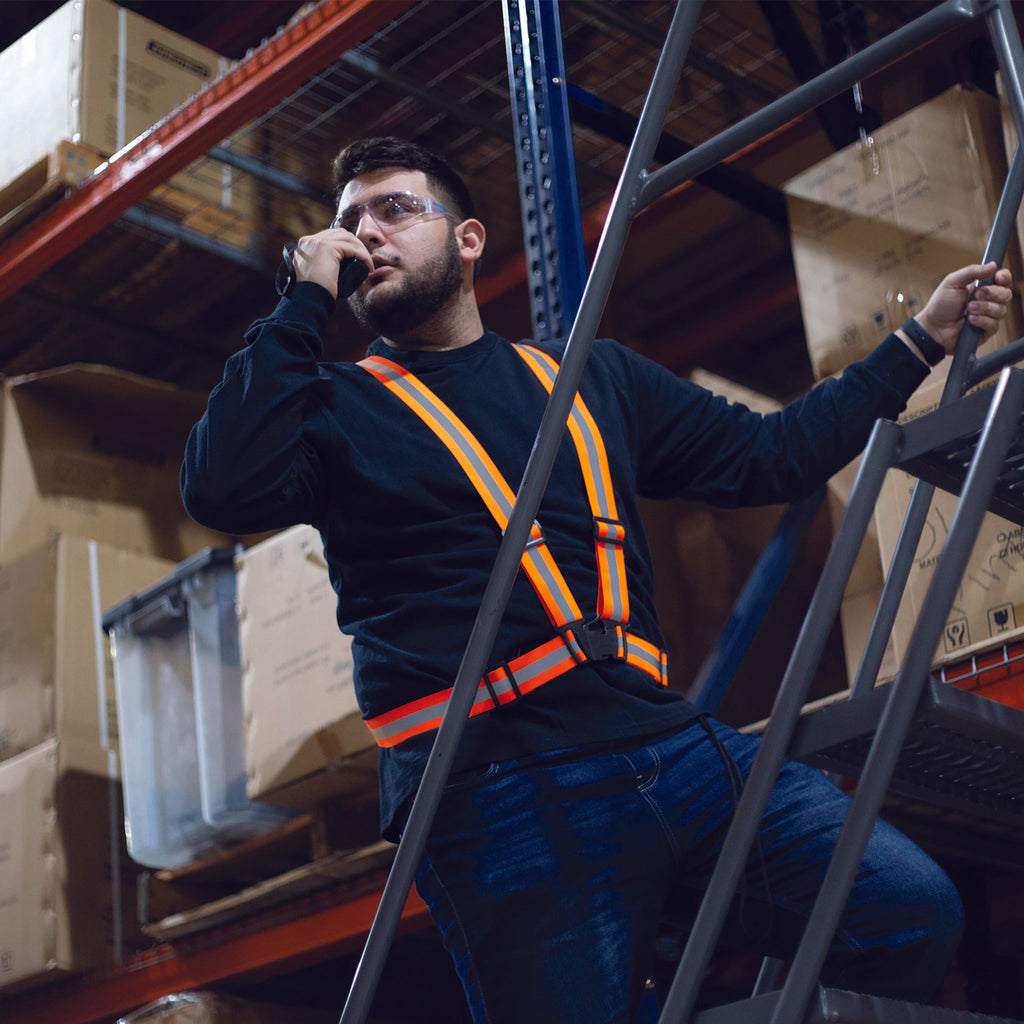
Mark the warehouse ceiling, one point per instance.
(707, 276)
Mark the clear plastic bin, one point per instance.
(177, 676)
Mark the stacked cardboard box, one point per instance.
(95, 452)
(67, 888)
(875, 227)
(54, 666)
(989, 605)
(305, 738)
(89, 514)
(98, 77)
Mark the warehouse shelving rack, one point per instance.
(193, 131)
(314, 928)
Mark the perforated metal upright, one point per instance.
(545, 164)
(963, 446)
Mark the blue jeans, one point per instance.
(548, 877)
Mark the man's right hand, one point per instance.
(318, 257)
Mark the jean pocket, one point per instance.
(468, 778)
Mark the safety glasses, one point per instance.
(391, 212)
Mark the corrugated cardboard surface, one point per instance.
(94, 452)
(989, 605)
(57, 900)
(100, 75)
(305, 738)
(72, 60)
(51, 637)
(876, 226)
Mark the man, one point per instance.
(586, 793)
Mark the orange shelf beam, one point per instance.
(267, 76)
(264, 944)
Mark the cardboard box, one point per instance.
(1010, 145)
(877, 225)
(101, 75)
(94, 452)
(305, 738)
(52, 644)
(58, 900)
(989, 606)
(46, 182)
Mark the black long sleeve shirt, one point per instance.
(287, 439)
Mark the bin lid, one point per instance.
(159, 608)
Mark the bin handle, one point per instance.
(155, 617)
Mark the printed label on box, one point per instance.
(1001, 619)
(956, 635)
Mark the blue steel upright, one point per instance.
(545, 165)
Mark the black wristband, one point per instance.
(932, 351)
(284, 282)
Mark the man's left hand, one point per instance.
(958, 296)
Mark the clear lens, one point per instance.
(390, 212)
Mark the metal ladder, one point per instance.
(910, 735)
(923, 740)
(801, 999)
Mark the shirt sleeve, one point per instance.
(699, 446)
(248, 465)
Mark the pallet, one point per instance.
(44, 184)
(189, 199)
(295, 860)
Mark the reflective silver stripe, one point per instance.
(590, 442)
(407, 721)
(524, 675)
(602, 488)
(617, 584)
(554, 580)
(656, 661)
(499, 683)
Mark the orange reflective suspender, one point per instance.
(576, 642)
(609, 533)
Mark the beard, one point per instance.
(403, 309)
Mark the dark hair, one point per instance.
(365, 155)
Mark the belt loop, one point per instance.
(490, 689)
(611, 531)
(573, 642)
(511, 676)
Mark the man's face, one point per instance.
(416, 269)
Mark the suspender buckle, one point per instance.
(597, 640)
(601, 639)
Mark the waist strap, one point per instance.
(512, 679)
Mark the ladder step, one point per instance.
(939, 448)
(834, 1006)
(963, 754)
